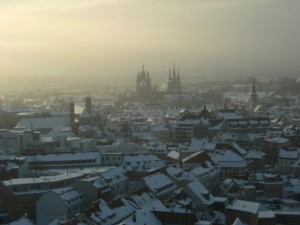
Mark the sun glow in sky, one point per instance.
(113, 38)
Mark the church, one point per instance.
(173, 83)
(143, 84)
(144, 90)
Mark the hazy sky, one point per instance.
(113, 38)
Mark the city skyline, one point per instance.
(111, 39)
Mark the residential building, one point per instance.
(93, 188)
(42, 164)
(142, 163)
(107, 184)
(107, 212)
(246, 211)
(230, 163)
(286, 159)
(62, 204)
(267, 184)
(160, 185)
(19, 196)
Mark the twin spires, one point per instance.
(174, 73)
(143, 73)
(143, 83)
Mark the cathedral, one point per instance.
(144, 91)
(143, 84)
(173, 83)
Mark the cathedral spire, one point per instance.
(178, 72)
(169, 73)
(174, 72)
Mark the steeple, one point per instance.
(169, 73)
(174, 72)
(178, 73)
(143, 84)
(138, 77)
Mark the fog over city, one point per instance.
(111, 39)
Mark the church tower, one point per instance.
(143, 84)
(174, 83)
(253, 97)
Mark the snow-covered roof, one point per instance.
(266, 214)
(142, 162)
(245, 206)
(239, 222)
(288, 154)
(239, 149)
(114, 175)
(201, 171)
(229, 158)
(69, 195)
(198, 144)
(278, 140)
(174, 155)
(142, 216)
(176, 173)
(143, 199)
(229, 114)
(65, 157)
(255, 155)
(22, 221)
(199, 193)
(46, 179)
(43, 123)
(108, 216)
(159, 183)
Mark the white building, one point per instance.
(43, 164)
(61, 204)
(142, 163)
(43, 124)
(286, 159)
(160, 185)
(15, 140)
(117, 180)
(230, 163)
